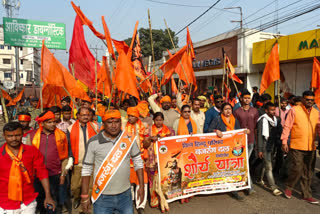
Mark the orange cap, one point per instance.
(165, 99)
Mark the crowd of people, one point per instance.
(50, 160)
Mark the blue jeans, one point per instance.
(121, 203)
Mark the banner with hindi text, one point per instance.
(202, 164)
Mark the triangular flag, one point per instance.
(108, 37)
(271, 72)
(230, 66)
(190, 45)
(174, 88)
(104, 82)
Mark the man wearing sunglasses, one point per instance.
(301, 121)
(213, 112)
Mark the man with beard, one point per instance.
(197, 115)
(213, 112)
(53, 145)
(170, 115)
(19, 165)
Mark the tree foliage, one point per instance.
(161, 41)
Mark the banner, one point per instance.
(202, 164)
(29, 33)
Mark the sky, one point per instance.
(121, 16)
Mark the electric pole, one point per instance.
(11, 6)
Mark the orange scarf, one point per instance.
(229, 126)
(163, 132)
(15, 177)
(183, 128)
(74, 138)
(61, 142)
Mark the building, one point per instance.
(29, 63)
(208, 64)
(296, 53)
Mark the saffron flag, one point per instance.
(231, 71)
(315, 81)
(174, 88)
(230, 66)
(190, 45)
(86, 21)
(80, 56)
(271, 72)
(171, 66)
(125, 78)
(104, 82)
(56, 78)
(108, 37)
(120, 46)
(12, 102)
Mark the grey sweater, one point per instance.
(98, 148)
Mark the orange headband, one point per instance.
(133, 111)
(47, 116)
(165, 99)
(24, 118)
(111, 114)
(143, 108)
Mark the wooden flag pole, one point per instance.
(70, 97)
(3, 103)
(120, 98)
(110, 98)
(41, 98)
(112, 85)
(142, 81)
(73, 104)
(190, 90)
(279, 103)
(224, 70)
(103, 91)
(96, 81)
(151, 41)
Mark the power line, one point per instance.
(199, 16)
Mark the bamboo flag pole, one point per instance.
(112, 86)
(70, 97)
(96, 81)
(279, 103)
(146, 78)
(151, 41)
(41, 98)
(224, 70)
(228, 86)
(3, 103)
(184, 72)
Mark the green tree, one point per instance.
(161, 41)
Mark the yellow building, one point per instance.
(296, 54)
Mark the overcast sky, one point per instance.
(121, 16)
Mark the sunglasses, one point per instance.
(186, 111)
(309, 100)
(221, 101)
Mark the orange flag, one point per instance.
(120, 46)
(104, 83)
(56, 77)
(235, 78)
(108, 38)
(171, 66)
(125, 78)
(17, 98)
(86, 21)
(6, 95)
(230, 66)
(271, 72)
(174, 88)
(190, 45)
(315, 81)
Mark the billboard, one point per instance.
(29, 33)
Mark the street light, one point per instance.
(240, 8)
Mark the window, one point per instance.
(1, 46)
(9, 47)
(21, 75)
(21, 61)
(7, 75)
(6, 61)
(21, 48)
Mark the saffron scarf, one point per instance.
(61, 142)
(75, 136)
(229, 125)
(163, 132)
(183, 128)
(15, 177)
